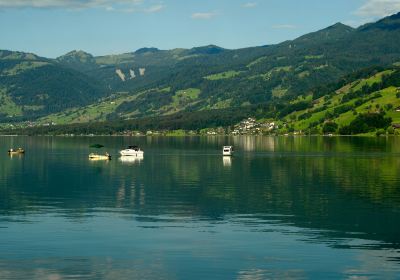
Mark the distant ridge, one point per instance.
(79, 87)
(210, 49)
(389, 23)
(146, 50)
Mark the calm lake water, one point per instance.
(287, 208)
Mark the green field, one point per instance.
(310, 57)
(94, 112)
(223, 75)
(7, 105)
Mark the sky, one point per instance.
(52, 28)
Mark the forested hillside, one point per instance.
(364, 102)
(78, 87)
(31, 86)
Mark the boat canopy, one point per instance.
(97, 146)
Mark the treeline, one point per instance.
(367, 122)
(185, 120)
(329, 88)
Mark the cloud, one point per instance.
(204, 15)
(108, 5)
(284, 26)
(155, 8)
(250, 5)
(379, 8)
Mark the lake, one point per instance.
(282, 207)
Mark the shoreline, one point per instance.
(199, 135)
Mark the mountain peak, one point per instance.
(209, 49)
(14, 55)
(340, 26)
(146, 50)
(77, 59)
(77, 54)
(333, 32)
(337, 29)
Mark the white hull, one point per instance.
(131, 153)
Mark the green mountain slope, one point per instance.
(153, 82)
(376, 93)
(365, 102)
(32, 86)
(234, 78)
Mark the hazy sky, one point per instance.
(53, 27)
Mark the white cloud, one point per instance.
(108, 5)
(250, 5)
(284, 26)
(204, 15)
(155, 8)
(379, 8)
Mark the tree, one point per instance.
(329, 127)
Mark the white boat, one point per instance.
(133, 151)
(227, 150)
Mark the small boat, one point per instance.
(93, 156)
(18, 151)
(132, 151)
(227, 150)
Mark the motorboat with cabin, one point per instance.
(133, 151)
(227, 150)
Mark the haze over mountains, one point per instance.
(153, 82)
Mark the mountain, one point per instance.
(153, 82)
(10, 55)
(78, 60)
(146, 50)
(335, 32)
(210, 49)
(31, 86)
(364, 102)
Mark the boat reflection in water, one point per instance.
(227, 160)
(19, 156)
(131, 159)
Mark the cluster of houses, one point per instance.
(248, 126)
(251, 127)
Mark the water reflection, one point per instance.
(227, 161)
(131, 159)
(15, 156)
(338, 198)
